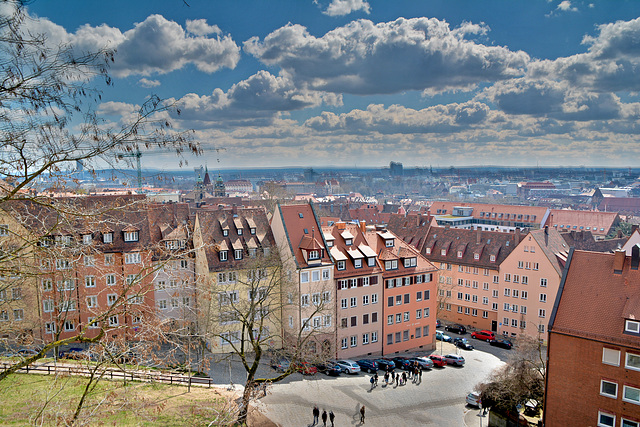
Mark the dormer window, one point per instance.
(342, 265)
(330, 243)
(239, 231)
(371, 262)
(388, 243)
(131, 236)
(225, 232)
(314, 255)
(632, 327)
(252, 230)
(224, 255)
(443, 252)
(87, 239)
(428, 251)
(348, 242)
(357, 263)
(459, 254)
(391, 265)
(492, 258)
(410, 262)
(238, 254)
(107, 238)
(476, 256)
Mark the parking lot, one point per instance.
(438, 401)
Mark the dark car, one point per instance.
(72, 353)
(502, 343)
(402, 363)
(438, 324)
(329, 368)
(386, 364)
(438, 360)
(280, 365)
(458, 329)
(368, 365)
(462, 343)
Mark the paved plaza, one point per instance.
(438, 401)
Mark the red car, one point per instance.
(306, 368)
(484, 335)
(438, 360)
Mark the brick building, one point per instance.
(593, 369)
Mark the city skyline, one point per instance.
(360, 83)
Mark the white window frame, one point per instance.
(626, 361)
(632, 326)
(610, 356)
(603, 393)
(601, 424)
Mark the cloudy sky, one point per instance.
(364, 82)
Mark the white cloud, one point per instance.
(154, 46)
(345, 7)
(406, 54)
(565, 6)
(199, 27)
(144, 82)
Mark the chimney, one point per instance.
(479, 236)
(517, 235)
(363, 226)
(618, 261)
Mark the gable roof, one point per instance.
(599, 223)
(303, 232)
(553, 246)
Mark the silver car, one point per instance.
(424, 362)
(348, 366)
(454, 359)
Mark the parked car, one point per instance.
(423, 362)
(368, 365)
(305, 368)
(438, 360)
(280, 365)
(438, 324)
(386, 364)
(442, 336)
(348, 366)
(329, 368)
(483, 335)
(27, 352)
(462, 343)
(402, 363)
(473, 399)
(502, 343)
(454, 359)
(458, 329)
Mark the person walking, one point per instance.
(393, 377)
(362, 414)
(331, 418)
(386, 377)
(404, 378)
(316, 414)
(397, 379)
(371, 380)
(324, 417)
(420, 375)
(375, 377)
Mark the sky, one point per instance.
(360, 83)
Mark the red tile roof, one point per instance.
(300, 224)
(599, 223)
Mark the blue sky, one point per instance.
(364, 82)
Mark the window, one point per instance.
(354, 320)
(4, 230)
(89, 260)
(365, 339)
(237, 254)
(494, 306)
(47, 285)
(632, 326)
(495, 279)
(524, 294)
(304, 300)
(343, 303)
(113, 320)
(111, 279)
(419, 296)
(174, 302)
(514, 308)
(485, 314)
(130, 279)
(390, 319)
(520, 264)
(132, 258)
(344, 343)
(514, 323)
(89, 281)
(525, 280)
(388, 243)
(371, 262)
(374, 336)
(609, 389)
(506, 306)
(112, 298)
(405, 335)
(418, 314)
(507, 277)
(516, 278)
(131, 236)
(326, 274)
(62, 264)
(47, 305)
(16, 293)
(543, 283)
(611, 356)
(495, 293)
(314, 255)
(92, 301)
(507, 292)
(354, 341)
(543, 297)
(353, 283)
(406, 316)
(69, 326)
(109, 259)
(365, 299)
(485, 300)
(398, 299)
(107, 238)
(541, 329)
(326, 296)
(390, 302)
(629, 394)
(342, 265)
(389, 339)
(629, 423)
(224, 255)
(633, 361)
(315, 298)
(50, 327)
(354, 301)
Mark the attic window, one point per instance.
(632, 327)
(107, 238)
(239, 231)
(349, 242)
(131, 236)
(314, 255)
(459, 254)
(87, 239)
(225, 232)
(476, 256)
(428, 251)
(443, 252)
(388, 243)
(306, 231)
(252, 230)
(330, 243)
(492, 258)
(300, 215)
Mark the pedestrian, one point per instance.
(393, 376)
(371, 380)
(404, 378)
(397, 379)
(331, 418)
(362, 414)
(316, 414)
(420, 375)
(386, 377)
(324, 417)
(375, 377)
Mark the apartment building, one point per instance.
(529, 281)
(489, 217)
(309, 293)
(593, 369)
(600, 224)
(409, 301)
(469, 282)
(238, 278)
(359, 290)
